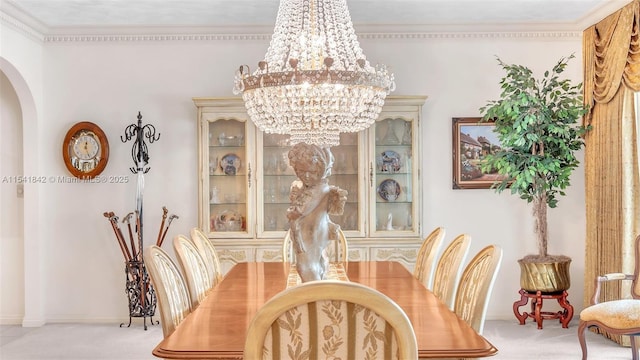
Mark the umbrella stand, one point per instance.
(141, 296)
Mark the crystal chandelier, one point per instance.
(314, 82)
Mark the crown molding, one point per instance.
(78, 38)
(607, 8)
(263, 33)
(33, 31)
(60, 38)
(16, 18)
(32, 28)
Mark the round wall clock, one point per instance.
(85, 150)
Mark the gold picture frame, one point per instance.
(472, 140)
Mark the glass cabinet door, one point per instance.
(346, 175)
(229, 167)
(392, 175)
(277, 176)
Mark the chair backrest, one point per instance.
(209, 253)
(427, 256)
(449, 269)
(476, 285)
(341, 248)
(635, 284)
(194, 269)
(288, 255)
(330, 319)
(339, 253)
(173, 297)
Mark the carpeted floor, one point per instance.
(516, 341)
(110, 342)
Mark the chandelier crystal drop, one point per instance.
(314, 82)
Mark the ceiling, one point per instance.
(72, 15)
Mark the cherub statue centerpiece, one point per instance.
(312, 201)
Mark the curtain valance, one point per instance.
(611, 54)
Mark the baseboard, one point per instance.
(11, 320)
(33, 322)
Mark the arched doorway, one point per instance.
(32, 263)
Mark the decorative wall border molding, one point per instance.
(266, 37)
(21, 27)
(477, 35)
(156, 37)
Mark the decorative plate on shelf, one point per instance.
(227, 220)
(389, 190)
(230, 164)
(389, 162)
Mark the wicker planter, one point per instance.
(548, 276)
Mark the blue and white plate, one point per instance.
(230, 164)
(389, 162)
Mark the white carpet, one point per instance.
(110, 342)
(553, 342)
(80, 341)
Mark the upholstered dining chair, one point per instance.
(337, 253)
(174, 302)
(209, 253)
(449, 269)
(476, 285)
(193, 268)
(427, 256)
(619, 317)
(330, 319)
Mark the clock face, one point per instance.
(85, 150)
(86, 146)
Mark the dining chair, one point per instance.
(476, 285)
(449, 269)
(330, 319)
(209, 253)
(427, 256)
(288, 255)
(193, 268)
(339, 252)
(174, 302)
(619, 317)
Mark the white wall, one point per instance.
(108, 82)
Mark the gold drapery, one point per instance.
(611, 55)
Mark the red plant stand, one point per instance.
(536, 313)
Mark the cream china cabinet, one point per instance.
(244, 180)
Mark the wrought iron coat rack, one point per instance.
(140, 293)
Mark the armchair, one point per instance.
(620, 317)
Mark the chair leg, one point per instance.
(634, 347)
(583, 344)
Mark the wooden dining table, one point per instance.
(216, 328)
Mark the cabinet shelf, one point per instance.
(399, 173)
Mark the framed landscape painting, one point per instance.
(473, 140)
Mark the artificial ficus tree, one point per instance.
(536, 121)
